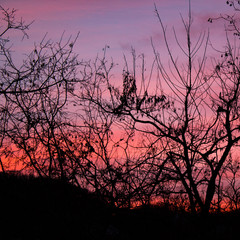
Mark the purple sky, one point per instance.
(117, 23)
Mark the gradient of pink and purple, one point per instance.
(117, 23)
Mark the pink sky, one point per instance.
(117, 23)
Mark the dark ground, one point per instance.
(33, 208)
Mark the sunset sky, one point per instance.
(183, 108)
(121, 24)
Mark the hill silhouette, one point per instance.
(42, 208)
(39, 208)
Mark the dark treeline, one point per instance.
(169, 138)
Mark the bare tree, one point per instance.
(34, 105)
(192, 113)
(166, 136)
(115, 166)
(8, 22)
(232, 21)
(231, 185)
(34, 122)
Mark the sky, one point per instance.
(120, 24)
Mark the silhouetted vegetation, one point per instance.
(187, 118)
(155, 155)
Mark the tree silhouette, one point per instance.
(231, 190)
(231, 20)
(8, 23)
(35, 127)
(168, 137)
(117, 167)
(191, 114)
